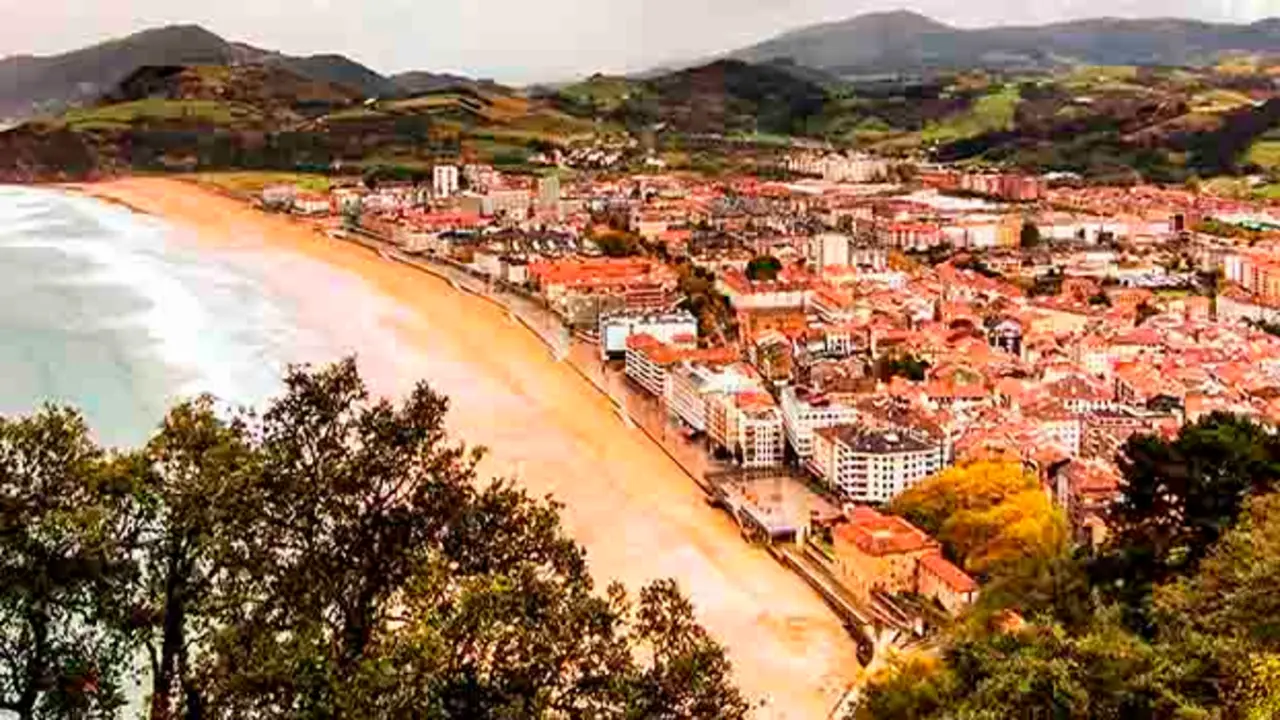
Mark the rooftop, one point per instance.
(876, 442)
(880, 535)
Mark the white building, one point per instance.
(647, 364)
(669, 328)
(829, 250)
(873, 466)
(690, 386)
(549, 193)
(512, 203)
(801, 417)
(444, 180)
(749, 426)
(834, 167)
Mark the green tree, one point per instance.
(384, 580)
(67, 522)
(1180, 496)
(901, 365)
(197, 471)
(764, 268)
(1226, 617)
(617, 244)
(1030, 235)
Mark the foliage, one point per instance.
(986, 514)
(1177, 620)
(1041, 670)
(901, 365)
(1180, 496)
(1144, 312)
(67, 524)
(333, 556)
(1029, 237)
(764, 268)
(619, 243)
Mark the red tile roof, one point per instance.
(950, 575)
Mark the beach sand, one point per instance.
(638, 516)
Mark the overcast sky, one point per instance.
(529, 40)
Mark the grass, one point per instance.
(253, 182)
(1265, 154)
(124, 115)
(991, 112)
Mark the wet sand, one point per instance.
(636, 513)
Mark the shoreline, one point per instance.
(625, 498)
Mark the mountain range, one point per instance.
(906, 42)
(898, 42)
(33, 85)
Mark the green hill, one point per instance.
(906, 42)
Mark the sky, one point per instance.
(524, 41)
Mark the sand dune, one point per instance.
(636, 513)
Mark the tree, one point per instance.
(1143, 313)
(986, 514)
(901, 365)
(1225, 614)
(617, 244)
(382, 579)
(195, 479)
(1180, 496)
(67, 522)
(1030, 235)
(764, 268)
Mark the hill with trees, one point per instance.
(333, 556)
(903, 42)
(32, 85)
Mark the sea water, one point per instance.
(106, 310)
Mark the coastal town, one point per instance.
(810, 347)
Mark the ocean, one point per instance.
(113, 313)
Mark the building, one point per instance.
(803, 413)
(311, 204)
(829, 250)
(444, 180)
(584, 290)
(669, 328)
(834, 167)
(878, 553)
(506, 203)
(747, 425)
(941, 580)
(691, 384)
(873, 466)
(549, 193)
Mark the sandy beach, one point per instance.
(636, 513)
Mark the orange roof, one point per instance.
(950, 575)
(879, 535)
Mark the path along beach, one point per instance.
(637, 514)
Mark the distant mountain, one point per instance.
(340, 70)
(906, 42)
(33, 85)
(418, 82)
(720, 98)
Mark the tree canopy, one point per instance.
(1176, 618)
(764, 268)
(1030, 235)
(986, 514)
(334, 556)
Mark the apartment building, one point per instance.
(873, 466)
(803, 413)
